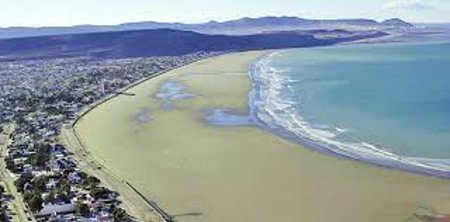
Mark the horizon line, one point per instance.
(209, 21)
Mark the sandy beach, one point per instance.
(198, 172)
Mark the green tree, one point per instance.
(27, 196)
(40, 183)
(10, 164)
(99, 192)
(35, 203)
(119, 214)
(91, 182)
(2, 190)
(62, 196)
(50, 198)
(82, 209)
(41, 157)
(3, 216)
(20, 182)
(65, 186)
(3, 208)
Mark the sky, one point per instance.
(110, 12)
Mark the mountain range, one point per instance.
(165, 42)
(244, 26)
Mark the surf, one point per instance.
(274, 106)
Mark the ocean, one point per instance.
(386, 104)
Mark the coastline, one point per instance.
(139, 207)
(132, 201)
(264, 79)
(348, 167)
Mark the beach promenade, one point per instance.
(131, 200)
(159, 142)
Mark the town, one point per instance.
(37, 99)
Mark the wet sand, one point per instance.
(199, 172)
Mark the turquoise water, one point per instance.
(367, 101)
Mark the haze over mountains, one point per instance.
(244, 26)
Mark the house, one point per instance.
(27, 168)
(105, 217)
(54, 210)
(52, 184)
(74, 178)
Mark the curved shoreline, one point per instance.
(375, 156)
(272, 177)
(135, 202)
(119, 92)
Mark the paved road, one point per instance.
(132, 202)
(17, 206)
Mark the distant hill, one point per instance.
(396, 23)
(244, 26)
(163, 42)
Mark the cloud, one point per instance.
(415, 5)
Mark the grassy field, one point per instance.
(198, 172)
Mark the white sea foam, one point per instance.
(279, 114)
(341, 130)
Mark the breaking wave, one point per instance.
(274, 111)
